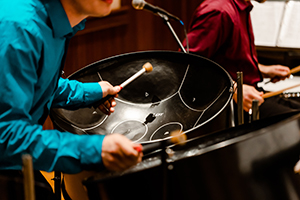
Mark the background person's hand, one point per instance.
(249, 94)
(274, 72)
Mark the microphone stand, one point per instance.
(166, 19)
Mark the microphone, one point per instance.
(141, 4)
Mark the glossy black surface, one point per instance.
(182, 92)
(248, 162)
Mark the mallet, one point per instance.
(147, 67)
(271, 94)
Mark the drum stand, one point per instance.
(254, 111)
(166, 20)
(240, 110)
(165, 154)
(57, 184)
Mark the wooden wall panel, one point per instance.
(159, 35)
(128, 30)
(102, 38)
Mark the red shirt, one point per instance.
(221, 30)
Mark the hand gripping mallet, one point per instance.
(147, 67)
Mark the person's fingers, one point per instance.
(104, 109)
(250, 94)
(281, 73)
(113, 90)
(112, 154)
(108, 106)
(107, 103)
(119, 153)
(113, 162)
(108, 89)
(113, 102)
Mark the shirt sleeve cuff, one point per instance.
(91, 148)
(92, 92)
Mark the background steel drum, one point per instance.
(183, 92)
(248, 162)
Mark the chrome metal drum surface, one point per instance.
(183, 92)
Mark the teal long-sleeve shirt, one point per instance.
(34, 35)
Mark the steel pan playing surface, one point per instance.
(183, 91)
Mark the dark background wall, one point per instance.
(128, 30)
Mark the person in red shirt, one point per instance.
(221, 30)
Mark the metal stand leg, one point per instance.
(255, 110)
(166, 19)
(164, 170)
(240, 106)
(57, 185)
(165, 154)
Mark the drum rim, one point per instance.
(280, 120)
(149, 51)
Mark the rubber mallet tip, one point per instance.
(148, 67)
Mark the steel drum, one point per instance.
(247, 162)
(183, 92)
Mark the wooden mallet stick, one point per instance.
(295, 70)
(271, 94)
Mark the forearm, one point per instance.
(274, 71)
(51, 150)
(74, 94)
